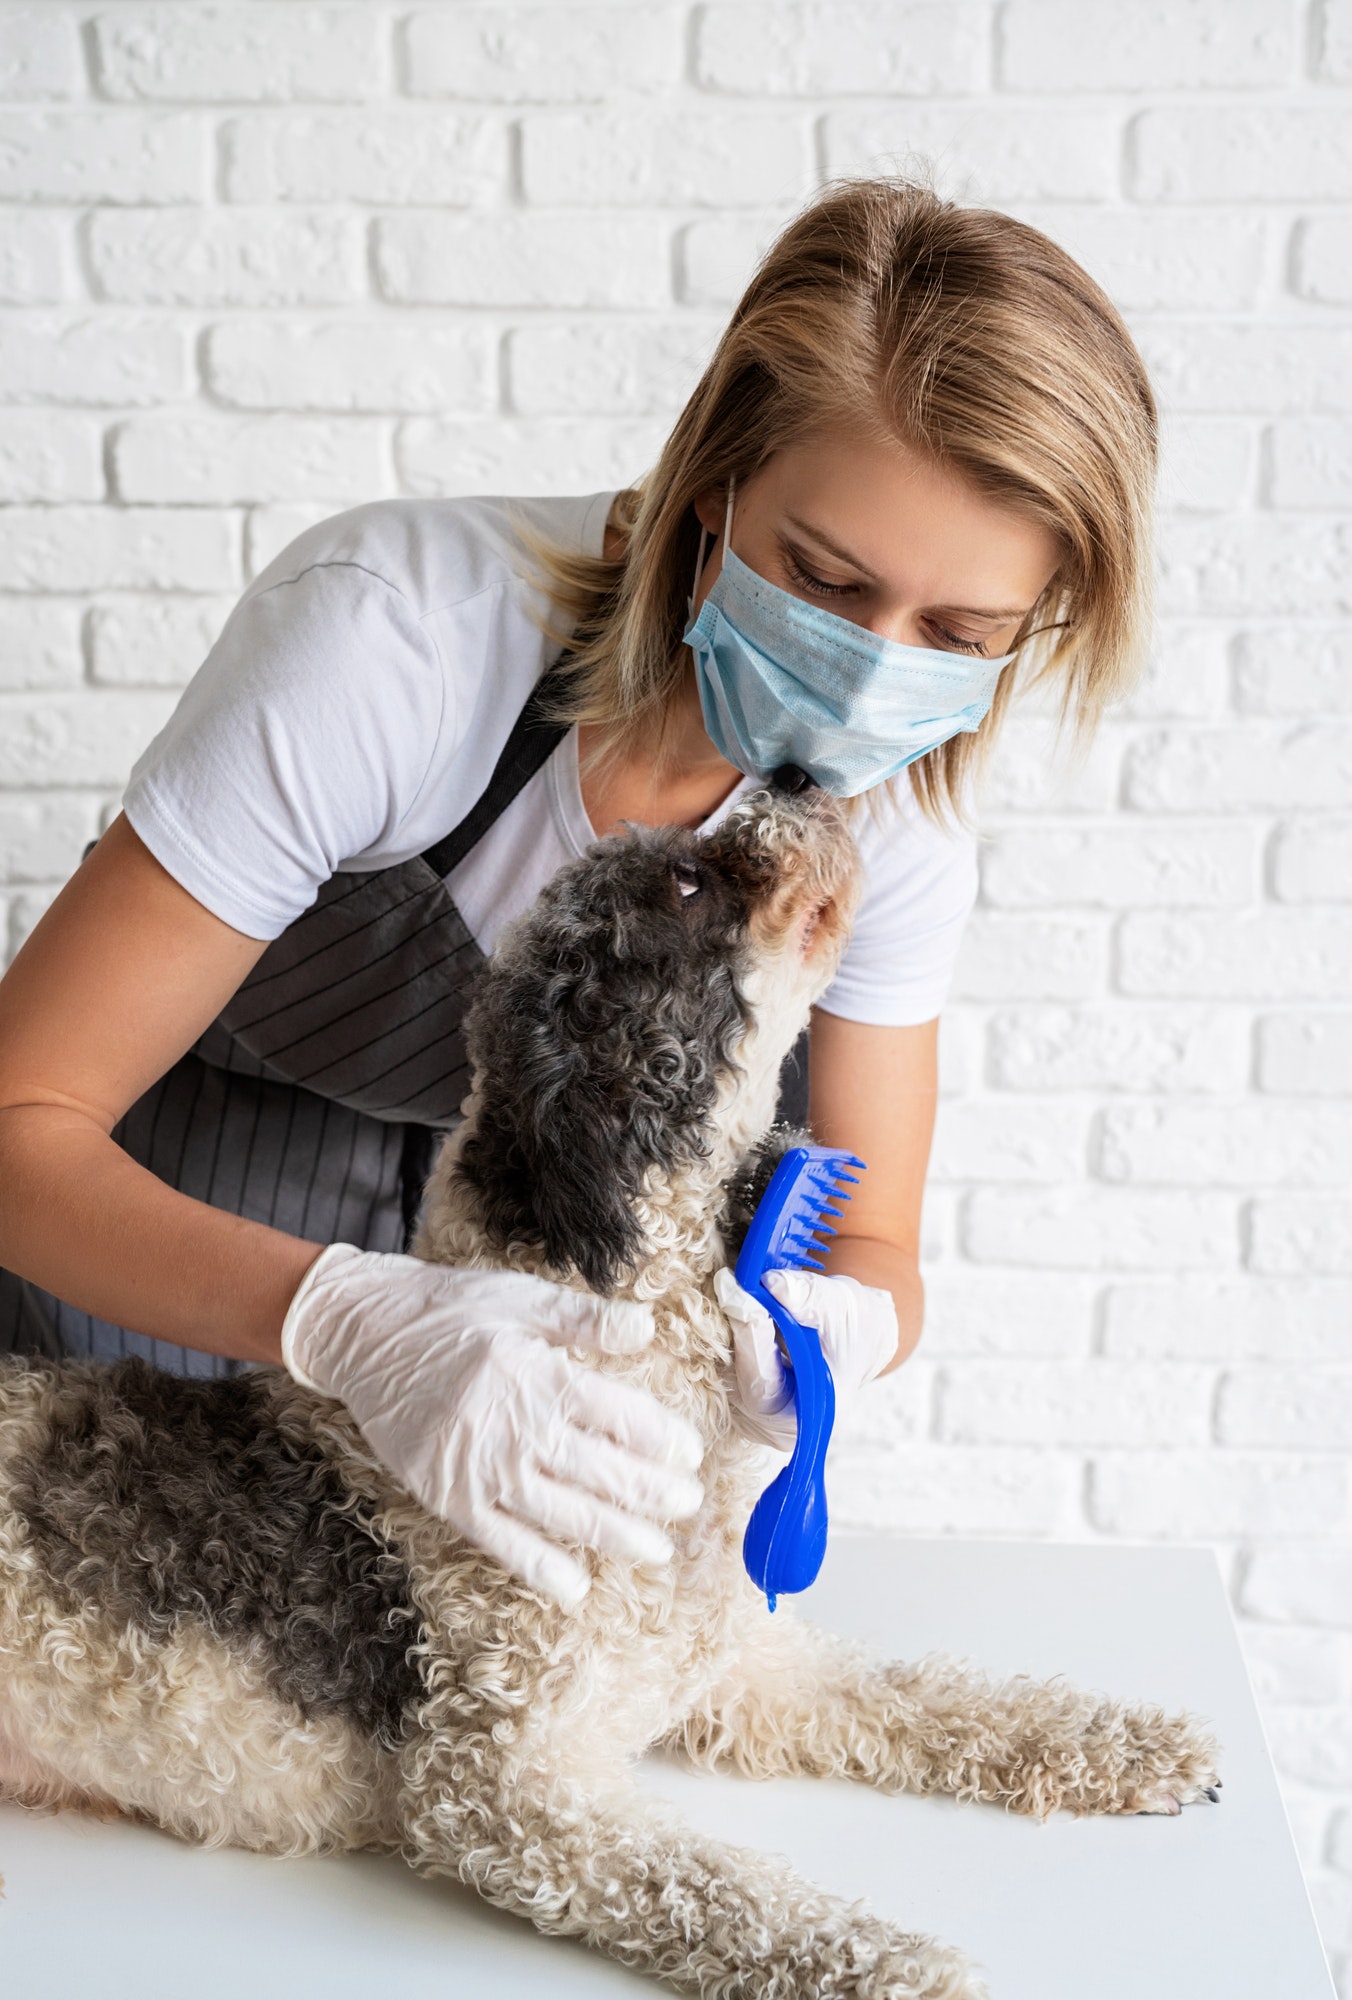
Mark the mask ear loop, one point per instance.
(703, 544)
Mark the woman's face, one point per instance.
(883, 536)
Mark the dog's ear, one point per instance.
(595, 1068)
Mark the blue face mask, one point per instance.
(782, 681)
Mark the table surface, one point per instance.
(1210, 1902)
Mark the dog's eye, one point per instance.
(687, 877)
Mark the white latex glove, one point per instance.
(857, 1325)
(460, 1382)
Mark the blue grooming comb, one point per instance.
(786, 1536)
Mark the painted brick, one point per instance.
(41, 838)
(39, 54)
(49, 455)
(153, 641)
(228, 257)
(1254, 563)
(1309, 1054)
(103, 156)
(937, 1226)
(1280, 765)
(1267, 369)
(1294, 670)
(1307, 1409)
(496, 455)
(983, 152)
(353, 364)
(853, 46)
(1288, 1665)
(1155, 45)
(1239, 1144)
(223, 55)
(1032, 772)
(659, 157)
(525, 55)
(116, 359)
(1229, 1319)
(273, 527)
(986, 1140)
(39, 643)
(1310, 462)
(1074, 1402)
(24, 912)
(1209, 1495)
(1163, 260)
(35, 258)
(367, 156)
(945, 1490)
(1334, 58)
(1321, 260)
(970, 1311)
(1268, 954)
(1312, 861)
(523, 260)
(1117, 866)
(1340, 1841)
(1029, 958)
(1101, 1229)
(1298, 1586)
(958, 1057)
(199, 459)
(636, 368)
(1117, 1048)
(896, 1410)
(90, 738)
(1314, 1745)
(1302, 1233)
(1236, 153)
(1208, 464)
(1188, 675)
(118, 548)
(716, 258)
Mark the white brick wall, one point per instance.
(259, 259)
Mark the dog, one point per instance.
(220, 1614)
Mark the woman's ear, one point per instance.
(711, 509)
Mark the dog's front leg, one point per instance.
(799, 1700)
(625, 1874)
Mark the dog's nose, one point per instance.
(792, 778)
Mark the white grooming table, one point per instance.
(1208, 1903)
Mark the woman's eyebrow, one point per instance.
(824, 541)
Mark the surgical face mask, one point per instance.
(782, 681)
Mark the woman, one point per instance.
(923, 450)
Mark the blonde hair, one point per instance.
(955, 330)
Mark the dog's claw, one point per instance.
(1213, 1793)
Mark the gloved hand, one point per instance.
(857, 1325)
(460, 1383)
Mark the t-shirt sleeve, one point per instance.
(302, 740)
(920, 883)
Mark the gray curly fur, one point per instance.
(600, 1040)
(163, 1500)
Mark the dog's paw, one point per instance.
(1151, 1762)
(911, 1967)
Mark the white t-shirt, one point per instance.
(356, 702)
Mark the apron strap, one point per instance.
(535, 735)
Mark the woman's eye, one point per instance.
(816, 585)
(687, 877)
(957, 645)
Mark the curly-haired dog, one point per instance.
(218, 1612)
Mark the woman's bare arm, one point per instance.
(120, 977)
(874, 1091)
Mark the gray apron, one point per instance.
(315, 1099)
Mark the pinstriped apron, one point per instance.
(314, 1100)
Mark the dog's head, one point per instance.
(632, 1023)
